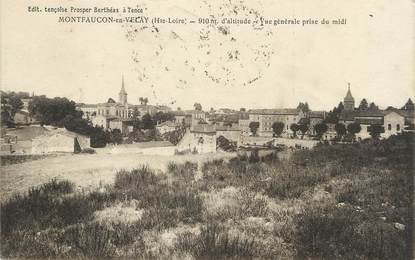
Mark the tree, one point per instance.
(303, 107)
(354, 128)
(375, 131)
(242, 109)
(147, 122)
(363, 105)
(81, 126)
(320, 129)
(253, 126)
(197, 106)
(143, 101)
(6, 119)
(277, 128)
(333, 115)
(52, 111)
(161, 117)
(409, 105)
(303, 128)
(116, 136)
(294, 127)
(373, 107)
(340, 130)
(15, 105)
(98, 139)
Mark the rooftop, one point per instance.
(282, 111)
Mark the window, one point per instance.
(389, 127)
(398, 127)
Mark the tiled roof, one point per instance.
(369, 121)
(352, 115)
(227, 128)
(283, 111)
(168, 123)
(317, 114)
(203, 128)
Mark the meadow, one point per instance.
(333, 202)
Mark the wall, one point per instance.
(190, 141)
(231, 135)
(54, 143)
(395, 121)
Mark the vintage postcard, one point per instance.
(207, 129)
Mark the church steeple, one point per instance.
(348, 100)
(122, 96)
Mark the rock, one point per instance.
(399, 226)
(341, 204)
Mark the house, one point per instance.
(122, 124)
(331, 133)
(59, 140)
(314, 118)
(168, 126)
(232, 133)
(88, 110)
(392, 121)
(22, 117)
(266, 117)
(103, 120)
(199, 138)
(180, 117)
(243, 124)
(197, 116)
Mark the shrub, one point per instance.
(344, 232)
(216, 242)
(183, 172)
(44, 207)
(88, 150)
(91, 239)
(137, 179)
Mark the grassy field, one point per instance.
(88, 172)
(333, 202)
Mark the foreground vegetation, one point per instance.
(341, 201)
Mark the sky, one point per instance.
(219, 65)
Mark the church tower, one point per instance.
(122, 96)
(348, 101)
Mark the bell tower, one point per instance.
(122, 96)
(348, 100)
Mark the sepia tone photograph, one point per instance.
(261, 129)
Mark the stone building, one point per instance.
(59, 140)
(266, 117)
(199, 138)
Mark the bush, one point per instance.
(216, 242)
(88, 151)
(183, 172)
(344, 232)
(91, 239)
(45, 207)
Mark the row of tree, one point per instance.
(320, 129)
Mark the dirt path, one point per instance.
(85, 170)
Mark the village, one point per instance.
(118, 179)
(197, 131)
